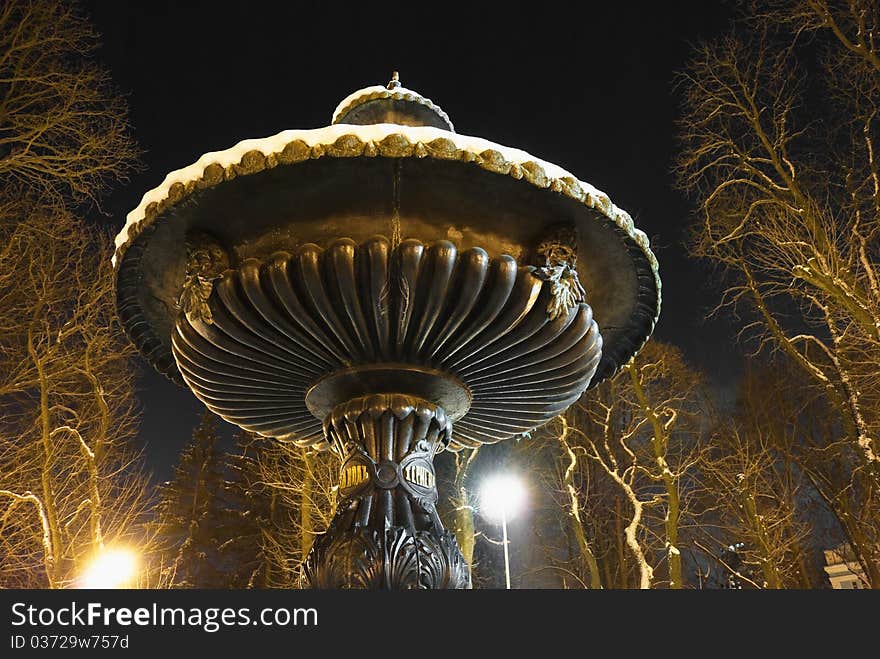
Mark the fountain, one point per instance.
(387, 289)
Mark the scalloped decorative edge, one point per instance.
(375, 140)
(366, 94)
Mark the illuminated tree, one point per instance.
(628, 446)
(458, 508)
(297, 485)
(64, 133)
(69, 480)
(789, 209)
(751, 498)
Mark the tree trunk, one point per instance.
(305, 509)
(53, 573)
(769, 571)
(586, 550)
(464, 526)
(659, 444)
(465, 531)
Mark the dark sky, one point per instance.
(590, 89)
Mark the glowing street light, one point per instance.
(111, 568)
(501, 497)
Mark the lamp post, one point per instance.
(501, 498)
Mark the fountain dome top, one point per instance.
(390, 104)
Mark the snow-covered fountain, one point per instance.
(384, 288)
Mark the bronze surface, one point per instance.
(307, 322)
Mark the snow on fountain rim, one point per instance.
(485, 153)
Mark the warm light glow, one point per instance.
(112, 568)
(501, 497)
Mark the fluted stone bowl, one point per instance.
(295, 335)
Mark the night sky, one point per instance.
(588, 89)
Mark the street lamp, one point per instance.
(501, 497)
(111, 568)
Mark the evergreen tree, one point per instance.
(191, 505)
(242, 519)
(248, 516)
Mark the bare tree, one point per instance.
(797, 233)
(462, 509)
(70, 483)
(574, 494)
(749, 495)
(299, 485)
(798, 423)
(789, 202)
(64, 133)
(632, 429)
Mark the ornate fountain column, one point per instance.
(260, 278)
(387, 534)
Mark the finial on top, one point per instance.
(395, 81)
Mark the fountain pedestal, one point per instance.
(386, 533)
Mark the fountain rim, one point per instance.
(389, 141)
(341, 140)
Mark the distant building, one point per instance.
(844, 571)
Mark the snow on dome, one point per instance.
(358, 96)
(397, 93)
